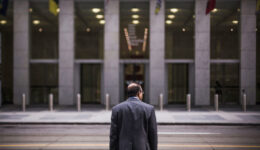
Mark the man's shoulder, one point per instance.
(125, 103)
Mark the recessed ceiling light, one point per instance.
(58, 10)
(235, 21)
(99, 16)
(231, 29)
(102, 21)
(88, 29)
(135, 16)
(183, 29)
(135, 22)
(168, 22)
(3, 22)
(174, 10)
(171, 16)
(36, 22)
(134, 9)
(30, 10)
(238, 9)
(215, 10)
(40, 30)
(95, 10)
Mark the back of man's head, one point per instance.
(133, 89)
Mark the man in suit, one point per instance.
(133, 123)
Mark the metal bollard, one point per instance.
(107, 102)
(161, 102)
(23, 102)
(51, 102)
(188, 102)
(216, 102)
(244, 102)
(78, 102)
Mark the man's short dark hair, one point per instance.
(133, 89)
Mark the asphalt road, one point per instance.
(75, 137)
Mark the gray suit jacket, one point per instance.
(133, 126)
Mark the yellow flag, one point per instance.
(53, 6)
(258, 5)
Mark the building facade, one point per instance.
(97, 47)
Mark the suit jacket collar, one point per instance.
(134, 98)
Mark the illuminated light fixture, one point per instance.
(36, 22)
(235, 22)
(193, 16)
(127, 40)
(40, 30)
(135, 16)
(215, 10)
(171, 16)
(58, 10)
(183, 29)
(135, 22)
(99, 16)
(145, 39)
(256, 29)
(95, 10)
(238, 10)
(30, 10)
(3, 22)
(102, 21)
(168, 22)
(134, 9)
(174, 10)
(88, 29)
(231, 29)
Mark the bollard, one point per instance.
(216, 102)
(161, 101)
(23, 102)
(188, 102)
(78, 102)
(107, 102)
(244, 102)
(51, 102)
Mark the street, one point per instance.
(171, 137)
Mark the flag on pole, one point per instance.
(3, 7)
(210, 6)
(158, 6)
(258, 6)
(53, 6)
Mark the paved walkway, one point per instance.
(97, 115)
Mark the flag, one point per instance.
(210, 6)
(53, 6)
(3, 7)
(158, 6)
(258, 6)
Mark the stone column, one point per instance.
(157, 50)
(248, 50)
(66, 52)
(202, 54)
(21, 56)
(111, 51)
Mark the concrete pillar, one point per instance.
(202, 54)
(248, 50)
(21, 72)
(66, 52)
(157, 50)
(111, 51)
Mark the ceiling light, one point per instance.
(99, 16)
(134, 9)
(95, 10)
(174, 10)
(3, 22)
(58, 10)
(171, 16)
(168, 22)
(88, 29)
(36, 22)
(102, 21)
(135, 22)
(135, 16)
(235, 21)
(183, 29)
(215, 10)
(238, 10)
(231, 29)
(30, 10)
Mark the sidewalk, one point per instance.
(176, 115)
